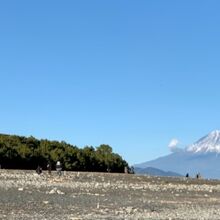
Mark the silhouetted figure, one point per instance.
(187, 175)
(39, 170)
(58, 168)
(198, 176)
(49, 167)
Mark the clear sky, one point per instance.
(131, 74)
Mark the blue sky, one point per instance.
(131, 74)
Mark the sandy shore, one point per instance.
(78, 195)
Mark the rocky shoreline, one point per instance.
(83, 195)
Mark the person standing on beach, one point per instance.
(39, 170)
(58, 168)
(49, 167)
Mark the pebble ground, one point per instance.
(83, 195)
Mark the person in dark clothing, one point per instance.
(198, 176)
(39, 170)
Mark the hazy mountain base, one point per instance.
(26, 195)
(151, 171)
(184, 162)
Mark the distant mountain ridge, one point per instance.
(203, 156)
(155, 172)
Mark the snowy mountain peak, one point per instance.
(208, 144)
(215, 133)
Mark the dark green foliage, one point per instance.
(18, 152)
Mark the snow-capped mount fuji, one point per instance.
(208, 144)
(203, 156)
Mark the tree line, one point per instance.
(18, 152)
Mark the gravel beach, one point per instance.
(83, 195)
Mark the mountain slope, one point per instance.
(203, 156)
(208, 144)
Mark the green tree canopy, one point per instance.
(18, 152)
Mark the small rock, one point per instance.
(60, 192)
(135, 210)
(45, 202)
(117, 212)
(129, 209)
(53, 191)
(20, 189)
